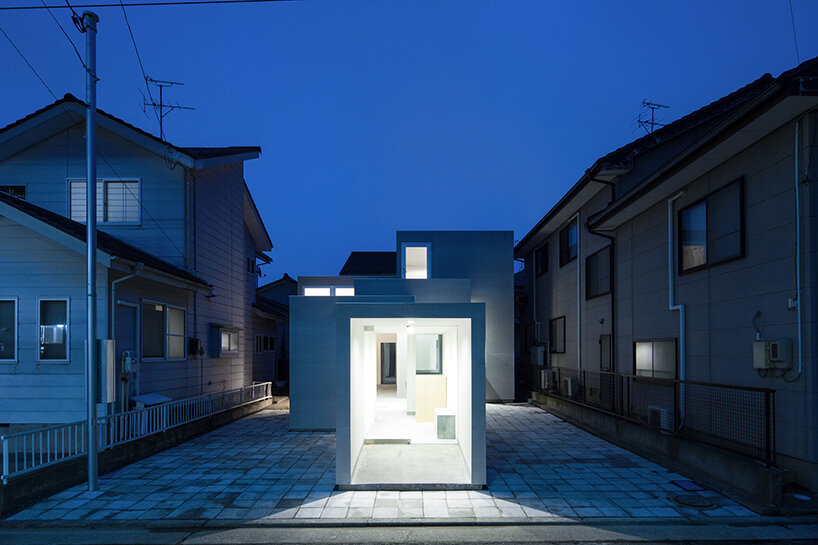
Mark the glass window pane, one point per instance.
(556, 335)
(694, 236)
(225, 341)
(153, 330)
(724, 223)
(176, 321)
(344, 292)
(664, 359)
(7, 326)
(234, 341)
(122, 202)
(176, 346)
(572, 241)
(416, 259)
(428, 353)
(53, 330)
(644, 359)
(77, 198)
(321, 292)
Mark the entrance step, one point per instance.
(387, 441)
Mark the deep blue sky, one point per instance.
(379, 115)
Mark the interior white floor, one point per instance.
(393, 425)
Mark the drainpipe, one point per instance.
(672, 302)
(797, 303)
(579, 295)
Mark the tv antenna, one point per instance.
(650, 124)
(161, 108)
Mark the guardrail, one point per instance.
(27, 451)
(740, 419)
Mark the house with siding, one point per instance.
(179, 245)
(275, 350)
(690, 255)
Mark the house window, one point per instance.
(265, 343)
(655, 358)
(598, 273)
(317, 292)
(416, 261)
(53, 322)
(229, 342)
(344, 292)
(569, 243)
(8, 330)
(541, 260)
(117, 201)
(429, 354)
(18, 191)
(711, 231)
(163, 331)
(556, 335)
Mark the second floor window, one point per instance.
(569, 243)
(117, 201)
(711, 231)
(541, 260)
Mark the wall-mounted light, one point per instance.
(211, 293)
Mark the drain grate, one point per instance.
(693, 501)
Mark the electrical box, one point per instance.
(107, 371)
(772, 354)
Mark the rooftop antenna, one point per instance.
(650, 124)
(161, 108)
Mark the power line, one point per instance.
(794, 36)
(147, 4)
(139, 58)
(67, 37)
(28, 63)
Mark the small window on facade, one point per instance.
(655, 358)
(18, 191)
(265, 343)
(344, 292)
(8, 330)
(317, 292)
(53, 329)
(416, 261)
(556, 335)
(117, 201)
(258, 348)
(569, 243)
(598, 273)
(711, 231)
(541, 260)
(229, 342)
(163, 331)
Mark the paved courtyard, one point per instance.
(539, 468)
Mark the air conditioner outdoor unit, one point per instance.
(660, 417)
(569, 386)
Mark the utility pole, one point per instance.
(650, 125)
(89, 26)
(162, 108)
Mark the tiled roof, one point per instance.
(105, 242)
(370, 264)
(272, 307)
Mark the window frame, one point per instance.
(742, 231)
(564, 260)
(551, 344)
(67, 334)
(165, 334)
(439, 368)
(105, 181)
(15, 358)
(588, 295)
(653, 368)
(229, 331)
(540, 268)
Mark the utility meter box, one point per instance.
(772, 354)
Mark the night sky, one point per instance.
(375, 116)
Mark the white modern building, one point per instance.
(401, 351)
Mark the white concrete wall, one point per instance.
(465, 404)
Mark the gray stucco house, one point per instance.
(180, 240)
(690, 254)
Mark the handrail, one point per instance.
(26, 451)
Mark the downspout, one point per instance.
(797, 303)
(672, 306)
(579, 294)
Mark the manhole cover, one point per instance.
(693, 501)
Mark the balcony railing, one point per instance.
(30, 450)
(736, 418)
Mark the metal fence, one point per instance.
(27, 451)
(736, 418)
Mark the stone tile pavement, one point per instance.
(540, 468)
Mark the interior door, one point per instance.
(388, 363)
